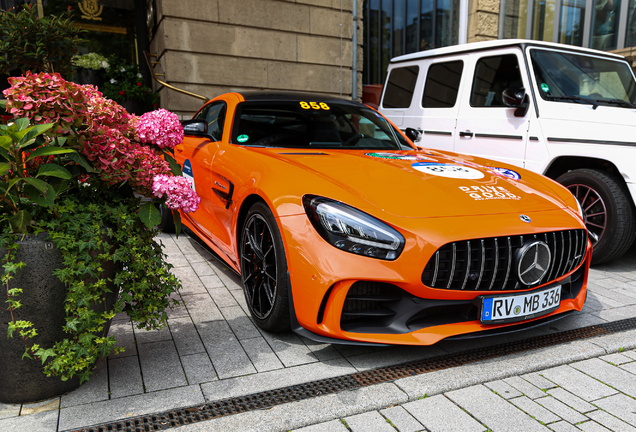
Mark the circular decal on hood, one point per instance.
(448, 170)
(506, 172)
(397, 156)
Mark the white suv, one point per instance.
(563, 111)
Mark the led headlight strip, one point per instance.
(352, 230)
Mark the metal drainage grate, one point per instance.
(268, 399)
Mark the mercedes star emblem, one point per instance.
(533, 262)
(525, 218)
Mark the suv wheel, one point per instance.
(607, 209)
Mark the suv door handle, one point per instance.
(468, 134)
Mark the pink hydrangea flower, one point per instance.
(180, 195)
(160, 127)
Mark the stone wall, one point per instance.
(483, 20)
(210, 47)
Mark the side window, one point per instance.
(214, 115)
(442, 84)
(492, 76)
(400, 86)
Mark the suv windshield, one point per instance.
(579, 78)
(315, 125)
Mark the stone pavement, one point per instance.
(211, 351)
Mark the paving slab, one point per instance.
(503, 389)
(371, 421)
(40, 422)
(440, 414)
(96, 389)
(160, 366)
(562, 410)
(185, 335)
(533, 409)
(524, 387)
(611, 422)
(494, 411)
(571, 400)
(124, 377)
(198, 368)
(620, 406)
(608, 374)
(401, 419)
(578, 383)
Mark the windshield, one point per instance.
(570, 77)
(314, 125)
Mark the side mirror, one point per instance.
(195, 127)
(516, 97)
(413, 134)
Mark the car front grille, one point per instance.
(489, 264)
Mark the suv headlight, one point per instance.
(352, 230)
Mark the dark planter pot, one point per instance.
(42, 299)
(89, 76)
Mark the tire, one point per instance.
(264, 270)
(609, 213)
(167, 220)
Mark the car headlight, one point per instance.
(352, 230)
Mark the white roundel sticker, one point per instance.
(448, 170)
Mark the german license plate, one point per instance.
(519, 307)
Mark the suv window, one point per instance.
(492, 76)
(442, 84)
(214, 115)
(399, 88)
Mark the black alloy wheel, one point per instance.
(264, 270)
(607, 211)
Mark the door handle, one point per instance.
(468, 134)
(179, 147)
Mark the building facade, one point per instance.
(208, 47)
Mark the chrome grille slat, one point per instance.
(490, 262)
(483, 262)
(495, 265)
(467, 264)
(509, 265)
(436, 268)
(452, 271)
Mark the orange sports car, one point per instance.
(346, 233)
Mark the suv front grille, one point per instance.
(488, 264)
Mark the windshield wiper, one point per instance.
(579, 99)
(618, 102)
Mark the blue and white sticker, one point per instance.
(505, 172)
(448, 170)
(187, 173)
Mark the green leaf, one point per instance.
(40, 185)
(149, 215)
(47, 151)
(5, 142)
(4, 154)
(46, 200)
(35, 131)
(176, 219)
(20, 221)
(3, 104)
(4, 168)
(81, 160)
(22, 123)
(174, 166)
(54, 170)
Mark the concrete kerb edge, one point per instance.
(429, 384)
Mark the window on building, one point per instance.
(515, 19)
(400, 87)
(572, 22)
(492, 76)
(442, 84)
(604, 32)
(397, 27)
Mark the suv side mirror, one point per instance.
(195, 127)
(516, 97)
(413, 134)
